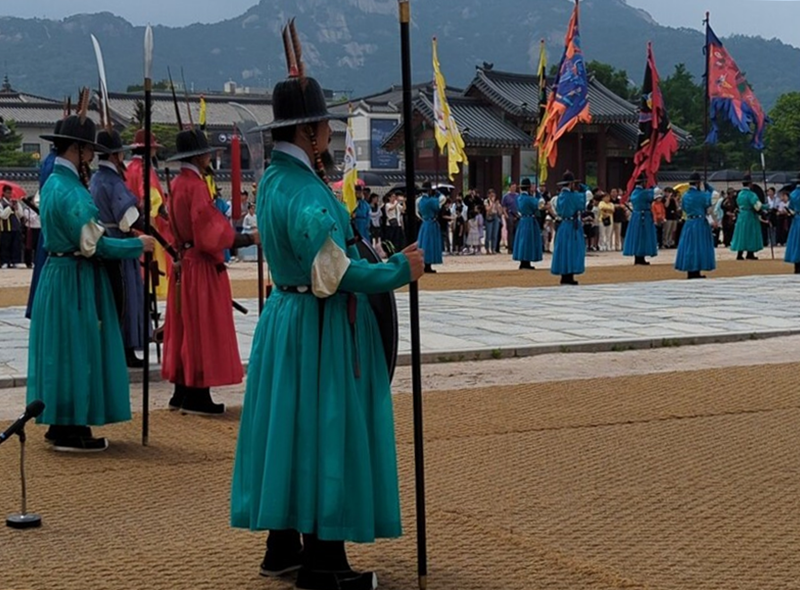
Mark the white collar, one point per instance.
(192, 167)
(109, 165)
(67, 164)
(294, 151)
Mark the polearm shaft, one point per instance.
(707, 102)
(769, 215)
(416, 357)
(148, 257)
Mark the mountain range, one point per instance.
(353, 45)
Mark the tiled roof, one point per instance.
(510, 91)
(478, 122)
(219, 112)
(39, 114)
(14, 96)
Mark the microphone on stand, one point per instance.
(24, 519)
(33, 410)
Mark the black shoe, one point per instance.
(132, 360)
(176, 401)
(429, 269)
(797, 269)
(80, 444)
(198, 402)
(740, 256)
(276, 564)
(752, 256)
(311, 580)
(56, 432)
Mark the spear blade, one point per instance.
(101, 68)
(148, 53)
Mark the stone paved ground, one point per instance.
(459, 325)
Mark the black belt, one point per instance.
(220, 268)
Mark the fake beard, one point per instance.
(327, 161)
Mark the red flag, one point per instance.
(236, 176)
(657, 140)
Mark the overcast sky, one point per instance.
(768, 18)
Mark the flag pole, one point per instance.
(148, 257)
(769, 216)
(707, 103)
(416, 357)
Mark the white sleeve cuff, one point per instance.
(90, 235)
(330, 265)
(130, 217)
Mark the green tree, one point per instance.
(783, 135)
(615, 80)
(164, 133)
(162, 86)
(11, 155)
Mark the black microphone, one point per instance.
(35, 408)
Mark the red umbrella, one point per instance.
(17, 192)
(337, 186)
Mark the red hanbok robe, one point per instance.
(134, 179)
(200, 347)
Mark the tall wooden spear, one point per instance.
(707, 103)
(148, 257)
(416, 357)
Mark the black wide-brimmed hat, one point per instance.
(525, 183)
(299, 101)
(427, 186)
(191, 143)
(567, 179)
(695, 177)
(73, 129)
(111, 142)
(747, 178)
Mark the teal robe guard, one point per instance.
(76, 359)
(747, 235)
(316, 449)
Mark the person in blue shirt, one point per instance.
(569, 249)
(528, 238)
(641, 239)
(696, 246)
(45, 171)
(792, 254)
(361, 212)
(117, 212)
(430, 233)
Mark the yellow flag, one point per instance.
(202, 113)
(350, 169)
(542, 172)
(447, 134)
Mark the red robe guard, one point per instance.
(200, 346)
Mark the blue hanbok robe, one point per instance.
(361, 218)
(696, 246)
(117, 211)
(569, 249)
(793, 241)
(430, 232)
(41, 254)
(528, 236)
(641, 239)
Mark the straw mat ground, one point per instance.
(672, 481)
